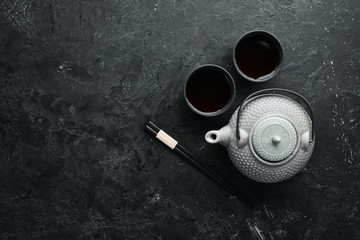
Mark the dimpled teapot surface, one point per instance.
(270, 137)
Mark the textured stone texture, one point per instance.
(79, 79)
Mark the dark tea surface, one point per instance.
(208, 90)
(257, 56)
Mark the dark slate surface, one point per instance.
(79, 79)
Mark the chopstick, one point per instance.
(190, 158)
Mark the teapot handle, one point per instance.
(282, 92)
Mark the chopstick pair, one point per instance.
(190, 158)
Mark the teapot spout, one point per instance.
(222, 136)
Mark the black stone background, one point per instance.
(79, 80)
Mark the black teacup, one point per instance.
(258, 56)
(209, 90)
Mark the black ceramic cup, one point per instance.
(209, 90)
(258, 56)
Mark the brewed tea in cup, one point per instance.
(258, 56)
(209, 90)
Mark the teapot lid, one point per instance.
(274, 139)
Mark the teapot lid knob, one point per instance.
(276, 140)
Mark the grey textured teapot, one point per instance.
(270, 136)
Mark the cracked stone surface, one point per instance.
(79, 80)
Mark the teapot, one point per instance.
(270, 137)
